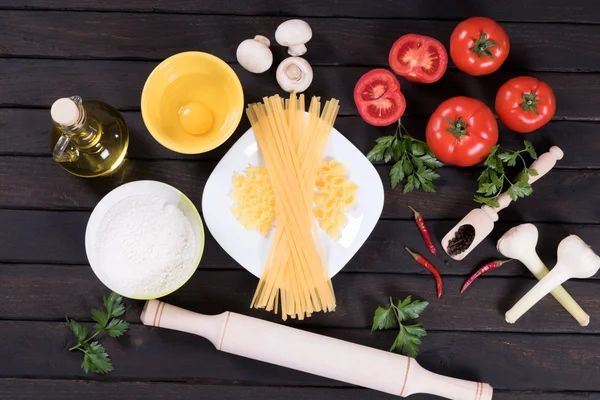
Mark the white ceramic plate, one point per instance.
(249, 248)
(167, 193)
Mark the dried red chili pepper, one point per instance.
(486, 268)
(431, 268)
(424, 231)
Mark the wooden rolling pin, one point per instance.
(312, 353)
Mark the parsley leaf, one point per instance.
(377, 153)
(116, 328)
(529, 149)
(114, 305)
(430, 161)
(409, 310)
(384, 318)
(413, 161)
(408, 340)
(492, 179)
(95, 358)
(396, 174)
(80, 331)
(519, 190)
(409, 337)
(100, 317)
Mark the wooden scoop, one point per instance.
(482, 219)
(316, 354)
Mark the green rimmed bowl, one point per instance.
(167, 193)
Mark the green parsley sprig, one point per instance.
(409, 336)
(95, 357)
(493, 179)
(413, 160)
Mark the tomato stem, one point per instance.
(458, 128)
(482, 46)
(529, 102)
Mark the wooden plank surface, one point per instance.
(25, 132)
(131, 36)
(528, 10)
(39, 182)
(106, 49)
(40, 292)
(29, 389)
(119, 83)
(383, 252)
(144, 352)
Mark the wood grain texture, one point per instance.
(34, 182)
(120, 83)
(528, 10)
(131, 36)
(47, 292)
(30, 389)
(62, 242)
(106, 49)
(26, 132)
(144, 353)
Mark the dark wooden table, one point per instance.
(104, 49)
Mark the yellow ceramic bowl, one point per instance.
(192, 102)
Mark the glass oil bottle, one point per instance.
(89, 138)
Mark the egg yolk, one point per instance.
(195, 118)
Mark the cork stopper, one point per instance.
(65, 112)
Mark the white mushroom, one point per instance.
(254, 54)
(519, 243)
(293, 34)
(575, 260)
(294, 74)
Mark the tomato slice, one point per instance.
(419, 58)
(378, 98)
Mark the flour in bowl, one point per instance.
(146, 244)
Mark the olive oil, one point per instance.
(89, 138)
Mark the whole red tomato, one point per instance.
(419, 58)
(462, 131)
(479, 46)
(525, 104)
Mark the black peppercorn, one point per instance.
(462, 240)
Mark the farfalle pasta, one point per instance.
(335, 194)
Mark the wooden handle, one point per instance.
(542, 165)
(312, 353)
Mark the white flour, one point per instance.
(146, 244)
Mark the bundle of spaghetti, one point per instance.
(295, 278)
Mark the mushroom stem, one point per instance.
(519, 243)
(293, 72)
(575, 260)
(297, 50)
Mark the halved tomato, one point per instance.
(419, 58)
(378, 98)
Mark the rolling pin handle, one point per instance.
(420, 380)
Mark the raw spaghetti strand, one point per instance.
(295, 278)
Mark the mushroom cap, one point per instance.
(254, 55)
(293, 32)
(294, 74)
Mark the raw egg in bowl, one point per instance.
(192, 102)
